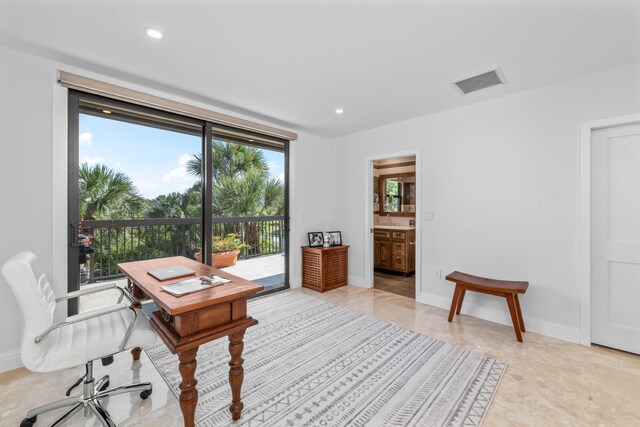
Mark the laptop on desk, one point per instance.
(172, 272)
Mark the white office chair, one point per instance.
(80, 339)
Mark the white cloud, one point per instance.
(146, 186)
(184, 159)
(86, 138)
(175, 174)
(273, 165)
(92, 160)
(281, 177)
(179, 173)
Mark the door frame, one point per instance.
(369, 221)
(584, 273)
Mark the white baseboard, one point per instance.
(10, 360)
(358, 281)
(532, 325)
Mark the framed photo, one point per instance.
(333, 237)
(316, 238)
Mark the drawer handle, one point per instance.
(412, 243)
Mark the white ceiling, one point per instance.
(293, 62)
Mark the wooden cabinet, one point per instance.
(394, 249)
(323, 268)
(382, 250)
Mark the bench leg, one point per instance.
(454, 302)
(514, 315)
(515, 297)
(460, 299)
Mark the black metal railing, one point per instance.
(116, 241)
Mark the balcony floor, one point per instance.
(267, 271)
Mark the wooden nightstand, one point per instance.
(323, 268)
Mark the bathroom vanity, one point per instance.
(394, 248)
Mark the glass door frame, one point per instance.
(73, 266)
(73, 213)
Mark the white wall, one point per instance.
(502, 179)
(33, 173)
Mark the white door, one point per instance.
(615, 237)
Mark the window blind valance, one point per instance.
(85, 84)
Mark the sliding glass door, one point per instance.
(149, 184)
(249, 207)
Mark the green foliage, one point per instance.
(107, 194)
(230, 160)
(176, 205)
(121, 244)
(230, 242)
(241, 183)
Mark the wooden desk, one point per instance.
(191, 320)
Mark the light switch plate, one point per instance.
(428, 215)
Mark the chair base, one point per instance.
(89, 401)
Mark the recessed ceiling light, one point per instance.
(106, 111)
(251, 140)
(339, 111)
(153, 33)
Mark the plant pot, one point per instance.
(222, 259)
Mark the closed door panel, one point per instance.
(615, 238)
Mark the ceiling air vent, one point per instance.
(481, 81)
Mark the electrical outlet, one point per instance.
(437, 274)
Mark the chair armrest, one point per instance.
(96, 289)
(100, 311)
(86, 316)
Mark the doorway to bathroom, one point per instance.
(394, 225)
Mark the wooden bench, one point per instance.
(501, 288)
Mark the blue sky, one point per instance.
(154, 159)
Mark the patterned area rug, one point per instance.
(312, 363)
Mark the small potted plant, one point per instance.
(224, 250)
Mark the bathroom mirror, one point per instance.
(398, 194)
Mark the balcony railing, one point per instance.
(116, 241)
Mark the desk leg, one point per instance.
(137, 294)
(188, 391)
(236, 373)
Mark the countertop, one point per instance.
(394, 227)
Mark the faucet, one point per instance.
(388, 219)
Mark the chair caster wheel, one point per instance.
(28, 422)
(104, 386)
(145, 394)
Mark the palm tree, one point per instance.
(230, 160)
(241, 186)
(107, 194)
(172, 205)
